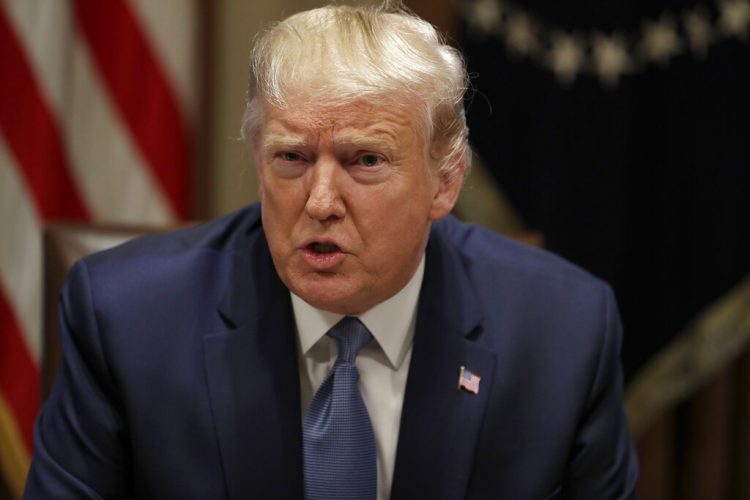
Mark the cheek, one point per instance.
(281, 195)
(398, 205)
(283, 209)
(391, 225)
(263, 188)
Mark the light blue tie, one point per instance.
(339, 445)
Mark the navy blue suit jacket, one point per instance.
(180, 376)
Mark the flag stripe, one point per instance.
(112, 174)
(150, 108)
(44, 30)
(171, 28)
(20, 252)
(19, 379)
(32, 135)
(92, 126)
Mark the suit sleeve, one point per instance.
(80, 446)
(603, 463)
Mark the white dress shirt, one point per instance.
(383, 364)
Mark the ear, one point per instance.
(447, 190)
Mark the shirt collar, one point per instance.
(391, 322)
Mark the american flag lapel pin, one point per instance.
(468, 381)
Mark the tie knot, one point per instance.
(351, 336)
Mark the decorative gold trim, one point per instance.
(716, 337)
(605, 55)
(14, 459)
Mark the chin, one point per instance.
(329, 297)
(338, 306)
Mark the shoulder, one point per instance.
(167, 286)
(526, 294)
(555, 332)
(174, 269)
(183, 252)
(485, 252)
(225, 234)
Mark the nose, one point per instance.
(324, 200)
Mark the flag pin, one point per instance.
(468, 381)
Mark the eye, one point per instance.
(291, 156)
(370, 160)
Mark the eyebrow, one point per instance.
(283, 141)
(374, 137)
(377, 140)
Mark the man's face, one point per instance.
(347, 198)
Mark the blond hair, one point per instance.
(384, 54)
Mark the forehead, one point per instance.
(357, 120)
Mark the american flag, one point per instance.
(96, 104)
(468, 381)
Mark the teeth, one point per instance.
(324, 247)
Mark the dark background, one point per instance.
(645, 182)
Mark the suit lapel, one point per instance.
(440, 423)
(253, 382)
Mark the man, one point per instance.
(197, 363)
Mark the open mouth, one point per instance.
(323, 248)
